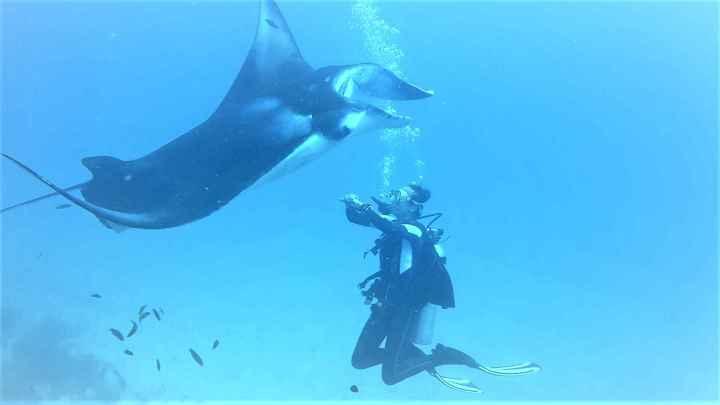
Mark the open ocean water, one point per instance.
(571, 147)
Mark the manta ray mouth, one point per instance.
(385, 117)
(391, 114)
(399, 121)
(380, 111)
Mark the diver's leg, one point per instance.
(403, 358)
(367, 351)
(444, 355)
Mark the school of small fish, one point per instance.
(158, 313)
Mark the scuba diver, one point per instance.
(405, 293)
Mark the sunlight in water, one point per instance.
(379, 41)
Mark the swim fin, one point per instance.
(460, 384)
(517, 369)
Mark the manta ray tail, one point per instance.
(100, 166)
(42, 197)
(112, 219)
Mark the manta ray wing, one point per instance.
(175, 176)
(273, 59)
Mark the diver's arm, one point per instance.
(381, 222)
(365, 214)
(354, 210)
(357, 216)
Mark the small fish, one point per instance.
(117, 334)
(133, 330)
(161, 311)
(157, 364)
(196, 357)
(157, 316)
(63, 206)
(142, 308)
(271, 23)
(143, 316)
(128, 352)
(96, 295)
(354, 388)
(215, 344)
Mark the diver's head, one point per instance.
(404, 203)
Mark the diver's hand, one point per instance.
(352, 201)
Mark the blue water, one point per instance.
(572, 148)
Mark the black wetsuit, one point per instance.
(400, 297)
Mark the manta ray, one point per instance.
(279, 114)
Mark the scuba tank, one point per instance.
(424, 325)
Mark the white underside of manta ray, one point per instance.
(279, 114)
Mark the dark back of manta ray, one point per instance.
(175, 177)
(119, 186)
(172, 177)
